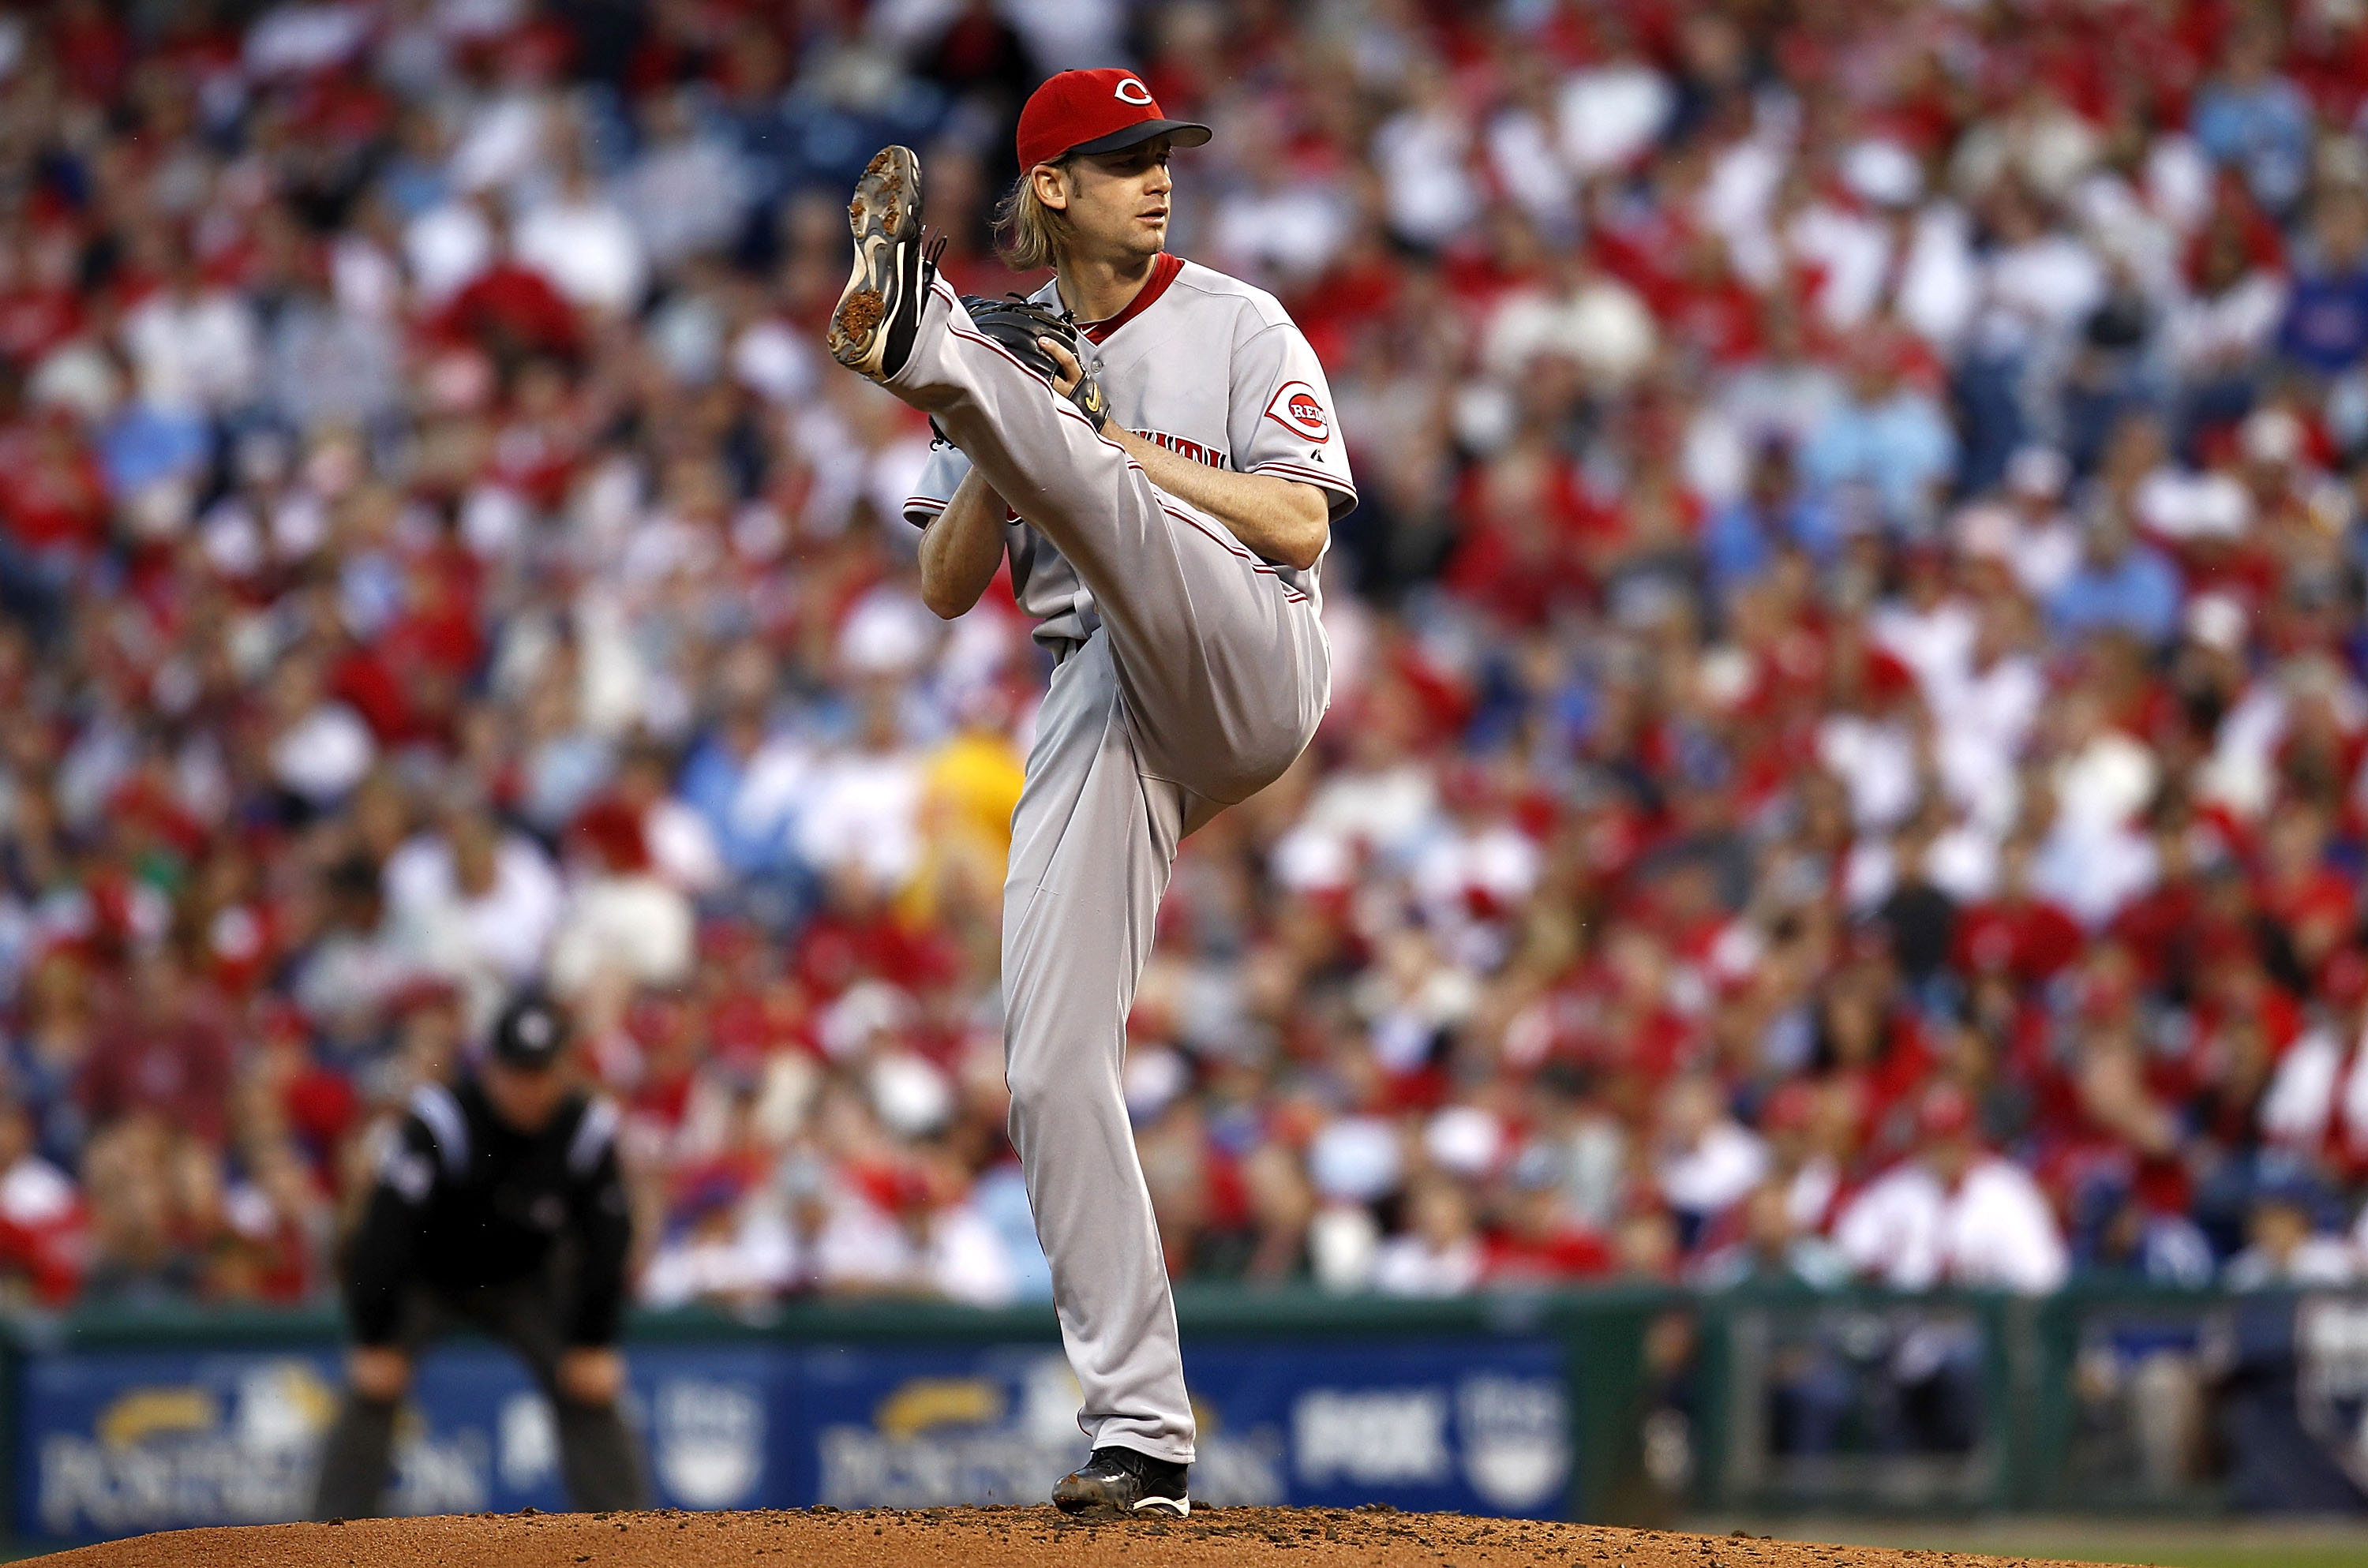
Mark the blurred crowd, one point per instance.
(1847, 747)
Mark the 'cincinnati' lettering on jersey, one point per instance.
(1185, 446)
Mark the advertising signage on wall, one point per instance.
(1478, 1425)
(117, 1442)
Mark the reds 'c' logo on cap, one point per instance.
(1105, 111)
(1296, 409)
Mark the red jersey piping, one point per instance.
(1164, 268)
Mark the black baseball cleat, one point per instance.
(1124, 1481)
(871, 330)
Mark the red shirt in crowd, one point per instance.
(162, 1056)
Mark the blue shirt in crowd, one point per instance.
(2327, 320)
(2139, 593)
(1899, 448)
(2264, 131)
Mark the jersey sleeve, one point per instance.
(941, 477)
(604, 1226)
(380, 1257)
(1282, 416)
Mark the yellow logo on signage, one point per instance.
(925, 1402)
(142, 1413)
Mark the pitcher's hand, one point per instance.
(1071, 371)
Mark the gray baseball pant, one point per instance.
(1205, 682)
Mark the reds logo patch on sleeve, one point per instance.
(1295, 409)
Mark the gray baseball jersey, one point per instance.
(1204, 365)
(1192, 674)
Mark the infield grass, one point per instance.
(2314, 1543)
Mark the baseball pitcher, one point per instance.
(1150, 444)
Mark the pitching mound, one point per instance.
(973, 1538)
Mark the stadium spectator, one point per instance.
(1955, 1213)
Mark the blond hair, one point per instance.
(1028, 234)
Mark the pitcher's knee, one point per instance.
(1032, 1085)
(1050, 1085)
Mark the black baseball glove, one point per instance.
(1017, 322)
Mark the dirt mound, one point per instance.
(973, 1538)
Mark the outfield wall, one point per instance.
(1624, 1404)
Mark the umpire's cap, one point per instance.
(530, 1033)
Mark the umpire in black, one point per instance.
(499, 1207)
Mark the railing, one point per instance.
(1619, 1403)
(2107, 1397)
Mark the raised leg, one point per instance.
(1222, 662)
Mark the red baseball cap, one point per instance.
(1095, 111)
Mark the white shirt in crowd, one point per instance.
(862, 811)
(756, 1254)
(1727, 1161)
(197, 353)
(2319, 1260)
(960, 1256)
(1410, 1266)
(2318, 1095)
(1935, 643)
(506, 926)
(587, 248)
(324, 755)
(2215, 332)
(1994, 1228)
(446, 247)
(1988, 716)
(35, 1194)
(637, 925)
(1387, 811)
(1875, 759)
